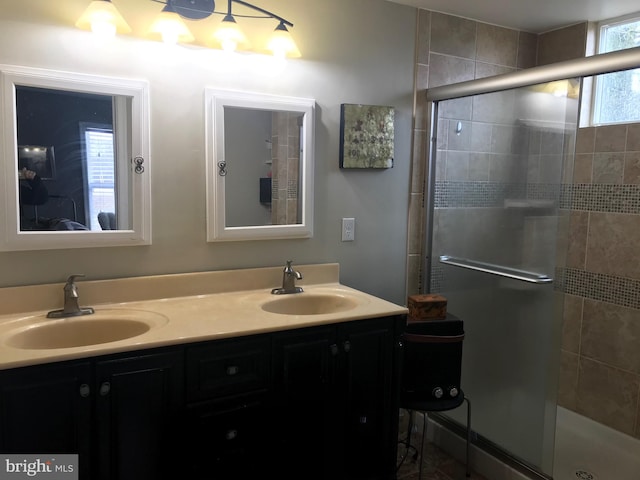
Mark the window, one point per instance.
(100, 175)
(617, 95)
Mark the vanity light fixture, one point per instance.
(102, 15)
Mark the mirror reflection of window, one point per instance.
(78, 126)
(100, 172)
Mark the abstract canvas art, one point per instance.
(366, 136)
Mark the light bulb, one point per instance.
(281, 44)
(103, 18)
(170, 27)
(229, 35)
(103, 27)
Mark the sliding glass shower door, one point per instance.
(498, 226)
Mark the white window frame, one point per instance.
(596, 84)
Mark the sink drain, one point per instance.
(585, 475)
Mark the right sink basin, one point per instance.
(309, 304)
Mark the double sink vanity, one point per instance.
(204, 375)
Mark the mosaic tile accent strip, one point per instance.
(544, 191)
(566, 196)
(607, 198)
(621, 291)
(475, 194)
(491, 194)
(599, 286)
(292, 189)
(437, 278)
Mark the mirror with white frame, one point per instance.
(259, 166)
(75, 160)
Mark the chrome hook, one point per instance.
(138, 161)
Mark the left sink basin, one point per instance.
(102, 327)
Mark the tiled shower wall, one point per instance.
(285, 157)
(452, 49)
(600, 371)
(600, 356)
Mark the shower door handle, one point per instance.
(500, 271)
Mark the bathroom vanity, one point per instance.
(222, 388)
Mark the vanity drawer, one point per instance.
(228, 439)
(225, 368)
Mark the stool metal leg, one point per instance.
(468, 472)
(425, 421)
(407, 441)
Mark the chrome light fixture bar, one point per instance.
(102, 17)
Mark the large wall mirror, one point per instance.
(259, 166)
(75, 160)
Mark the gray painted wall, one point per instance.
(354, 51)
(246, 153)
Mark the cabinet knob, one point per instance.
(105, 388)
(231, 434)
(346, 346)
(437, 392)
(333, 349)
(85, 390)
(233, 370)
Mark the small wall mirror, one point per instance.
(259, 166)
(75, 161)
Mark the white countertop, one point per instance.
(182, 308)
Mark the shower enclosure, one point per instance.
(497, 210)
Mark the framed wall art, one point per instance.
(366, 136)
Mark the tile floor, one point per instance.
(438, 465)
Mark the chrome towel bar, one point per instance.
(498, 270)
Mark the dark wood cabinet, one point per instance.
(47, 409)
(304, 424)
(117, 414)
(139, 401)
(314, 403)
(335, 400)
(367, 376)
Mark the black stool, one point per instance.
(431, 370)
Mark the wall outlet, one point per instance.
(348, 229)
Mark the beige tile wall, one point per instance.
(452, 49)
(601, 338)
(285, 151)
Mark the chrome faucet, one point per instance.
(71, 307)
(289, 277)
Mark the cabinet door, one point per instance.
(367, 364)
(228, 439)
(139, 400)
(47, 409)
(304, 421)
